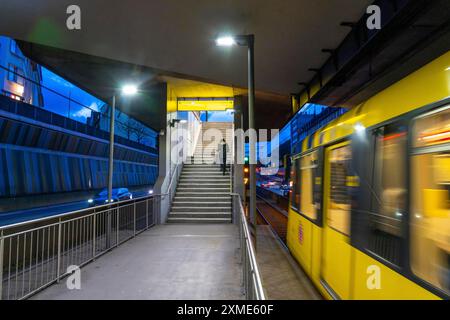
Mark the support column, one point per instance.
(251, 126)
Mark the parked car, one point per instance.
(268, 184)
(285, 189)
(118, 194)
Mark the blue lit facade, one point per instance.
(309, 119)
(49, 141)
(13, 84)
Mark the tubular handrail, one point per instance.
(175, 173)
(252, 283)
(63, 215)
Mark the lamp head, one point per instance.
(129, 90)
(225, 41)
(241, 40)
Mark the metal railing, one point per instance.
(34, 254)
(172, 188)
(252, 284)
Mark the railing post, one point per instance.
(117, 227)
(134, 219)
(146, 214)
(108, 228)
(2, 245)
(155, 209)
(94, 236)
(58, 268)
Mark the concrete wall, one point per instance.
(171, 157)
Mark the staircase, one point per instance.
(206, 149)
(203, 192)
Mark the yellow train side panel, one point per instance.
(307, 255)
(301, 240)
(316, 255)
(292, 238)
(392, 285)
(336, 264)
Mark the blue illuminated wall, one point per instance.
(37, 157)
(49, 141)
(308, 120)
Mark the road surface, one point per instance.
(12, 217)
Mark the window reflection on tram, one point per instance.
(340, 200)
(295, 193)
(388, 206)
(308, 165)
(430, 208)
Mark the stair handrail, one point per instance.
(176, 173)
(253, 287)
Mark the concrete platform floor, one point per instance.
(282, 278)
(166, 262)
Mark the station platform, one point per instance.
(171, 261)
(282, 278)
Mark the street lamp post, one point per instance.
(248, 41)
(126, 90)
(111, 147)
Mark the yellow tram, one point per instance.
(369, 213)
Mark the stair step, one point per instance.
(195, 178)
(202, 215)
(204, 172)
(210, 194)
(215, 184)
(191, 165)
(202, 199)
(199, 167)
(190, 181)
(198, 220)
(201, 209)
(196, 186)
(178, 203)
(204, 190)
(209, 175)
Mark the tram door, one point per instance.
(336, 251)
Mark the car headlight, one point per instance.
(90, 200)
(150, 191)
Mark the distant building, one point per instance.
(15, 68)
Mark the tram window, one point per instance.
(339, 205)
(295, 181)
(308, 165)
(389, 193)
(430, 208)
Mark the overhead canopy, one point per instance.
(178, 36)
(104, 77)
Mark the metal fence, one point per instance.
(253, 288)
(37, 253)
